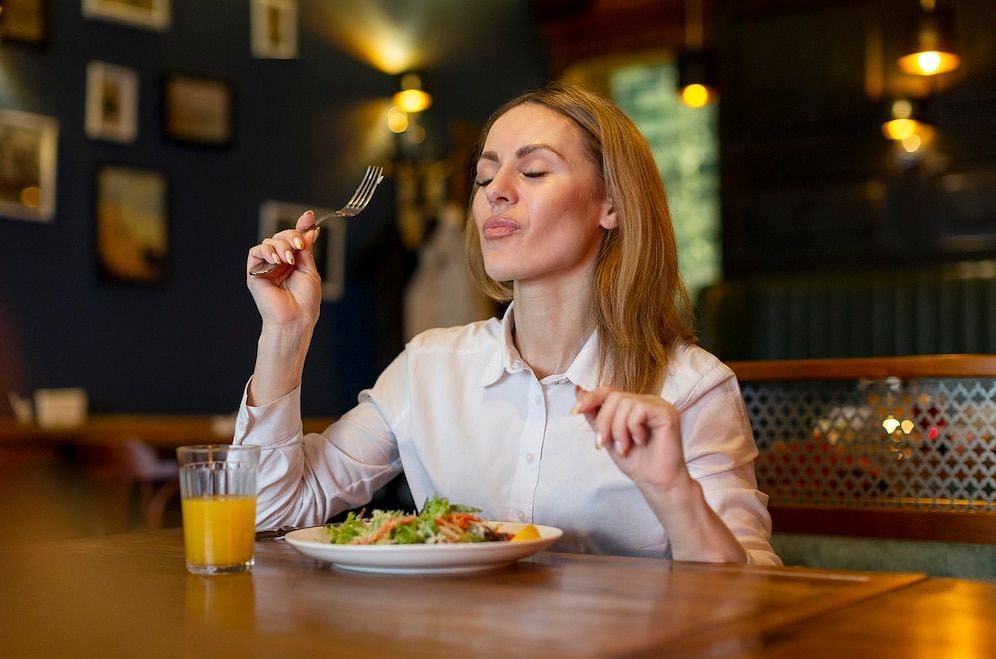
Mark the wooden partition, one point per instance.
(897, 447)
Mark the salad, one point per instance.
(439, 522)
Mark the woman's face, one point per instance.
(540, 208)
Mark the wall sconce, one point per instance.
(412, 98)
(931, 48)
(409, 100)
(696, 66)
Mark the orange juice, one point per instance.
(219, 531)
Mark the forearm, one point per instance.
(280, 356)
(695, 531)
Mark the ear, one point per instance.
(609, 220)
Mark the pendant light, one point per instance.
(931, 47)
(696, 66)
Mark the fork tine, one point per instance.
(375, 179)
(359, 188)
(369, 188)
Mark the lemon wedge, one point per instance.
(527, 532)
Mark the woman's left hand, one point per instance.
(642, 432)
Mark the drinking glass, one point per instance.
(218, 498)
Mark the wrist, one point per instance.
(678, 491)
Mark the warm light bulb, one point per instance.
(911, 143)
(929, 62)
(397, 120)
(900, 129)
(412, 100)
(695, 95)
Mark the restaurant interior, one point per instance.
(835, 209)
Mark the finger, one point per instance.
(279, 250)
(622, 441)
(604, 420)
(306, 220)
(637, 424)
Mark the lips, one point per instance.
(498, 227)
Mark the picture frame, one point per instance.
(25, 21)
(330, 250)
(131, 223)
(145, 14)
(28, 154)
(274, 27)
(198, 109)
(111, 102)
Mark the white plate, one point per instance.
(422, 559)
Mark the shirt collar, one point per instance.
(583, 370)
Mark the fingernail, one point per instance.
(298, 243)
(574, 410)
(289, 255)
(620, 449)
(599, 440)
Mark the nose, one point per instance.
(500, 190)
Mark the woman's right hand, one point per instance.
(292, 295)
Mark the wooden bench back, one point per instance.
(895, 447)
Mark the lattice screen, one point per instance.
(926, 443)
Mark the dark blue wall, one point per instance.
(187, 345)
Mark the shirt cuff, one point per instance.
(272, 425)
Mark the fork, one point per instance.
(356, 204)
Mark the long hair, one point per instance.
(640, 307)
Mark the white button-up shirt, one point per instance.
(465, 418)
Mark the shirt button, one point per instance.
(522, 516)
(530, 457)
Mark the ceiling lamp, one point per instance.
(931, 50)
(696, 66)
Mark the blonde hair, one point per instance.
(640, 307)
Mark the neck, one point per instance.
(551, 327)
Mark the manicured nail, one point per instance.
(574, 410)
(599, 440)
(298, 243)
(289, 256)
(620, 449)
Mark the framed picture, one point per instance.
(274, 29)
(330, 250)
(111, 102)
(28, 144)
(198, 109)
(25, 21)
(147, 14)
(132, 224)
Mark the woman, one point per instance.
(569, 223)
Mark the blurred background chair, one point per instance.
(133, 484)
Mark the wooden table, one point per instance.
(129, 595)
(163, 431)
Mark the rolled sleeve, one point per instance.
(720, 451)
(306, 478)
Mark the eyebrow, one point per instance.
(522, 152)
